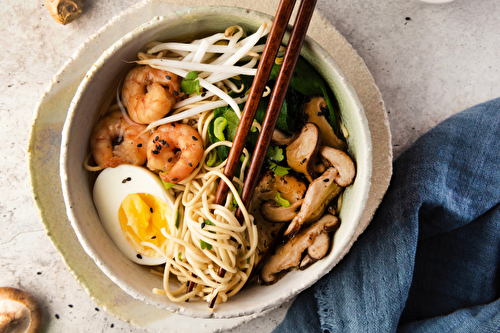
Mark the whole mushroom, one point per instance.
(19, 311)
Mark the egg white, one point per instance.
(110, 189)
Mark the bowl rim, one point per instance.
(193, 12)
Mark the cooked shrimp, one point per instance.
(112, 128)
(174, 150)
(149, 93)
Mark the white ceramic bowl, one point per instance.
(98, 87)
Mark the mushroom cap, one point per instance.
(19, 309)
(301, 154)
(342, 162)
(314, 112)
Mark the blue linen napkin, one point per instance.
(430, 259)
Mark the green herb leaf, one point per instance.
(190, 85)
(280, 201)
(177, 220)
(180, 256)
(204, 245)
(278, 169)
(275, 153)
(192, 75)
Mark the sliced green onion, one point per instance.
(212, 158)
(280, 201)
(220, 125)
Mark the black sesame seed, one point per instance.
(154, 237)
(172, 124)
(254, 222)
(157, 138)
(248, 247)
(70, 305)
(156, 152)
(57, 316)
(166, 145)
(202, 225)
(174, 179)
(408, 18)
(97, 309)
(168, 77)
(158, 147)
(176, 93)
(190, 164)
(139, 145)
(239, 246)
(170, 159)
(204, 94)
(139, 256)
(112, 325)
(151, 209)
(320, 114)
(194, 138)
(39, 273)
(326, 180)
(233, 239)
(305, 159)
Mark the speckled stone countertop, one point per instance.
(429, 61)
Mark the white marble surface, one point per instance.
(429, 61)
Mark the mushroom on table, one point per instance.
(19, 311)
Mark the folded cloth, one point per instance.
(430, 259)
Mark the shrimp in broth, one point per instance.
(174, 150)
(149, 93)
(114, 128)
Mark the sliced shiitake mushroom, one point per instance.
(342, 162)
(276, 213)
(314, 112)
(289, 255)
(320, 192)
(316, 251)
(281, 139)
(300, 154)
(19, 311)
(269, 233)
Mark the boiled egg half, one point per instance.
(133, 206)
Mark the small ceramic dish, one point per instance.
(99, 86)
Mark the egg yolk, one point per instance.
(141, 217)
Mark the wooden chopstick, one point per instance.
(292, 53)
(276, 34)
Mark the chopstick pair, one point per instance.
(290, 58)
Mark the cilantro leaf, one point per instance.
(275, 153)
(190, 85)
(278, 169)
